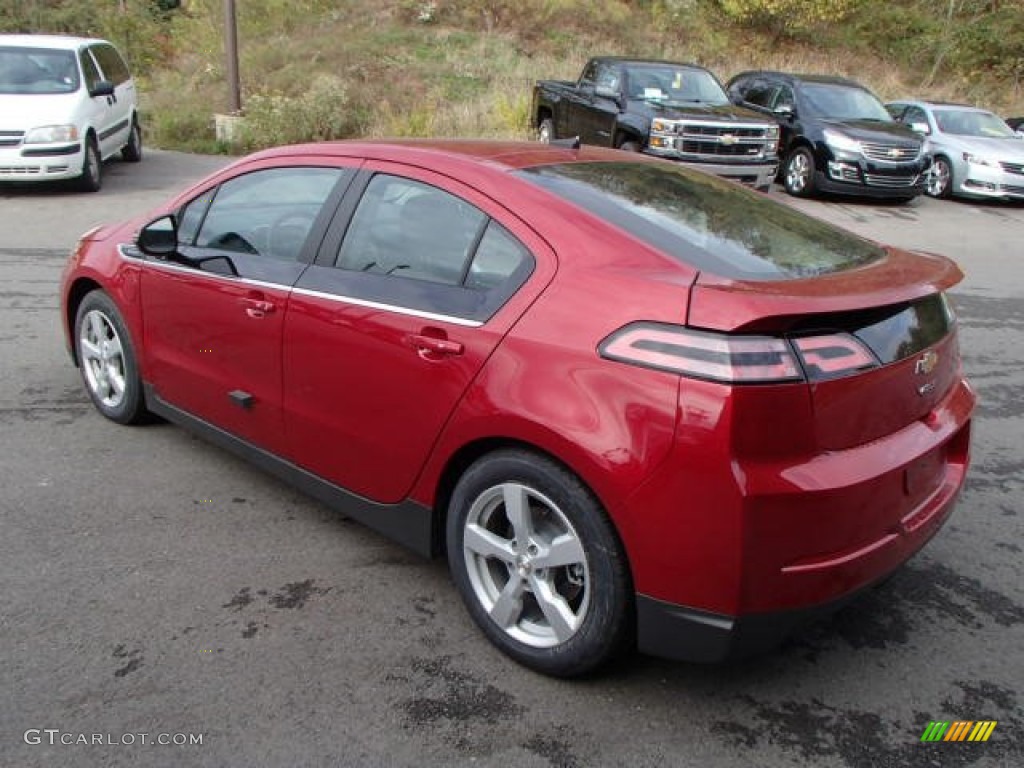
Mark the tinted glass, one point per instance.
(705, 221)
(498, 258)
(110, 61)
(266, 213)
(92, 74)
(964, 122)
(843, 102)
(671, 85)
(36, 70)
(760, 93)
(414, 230)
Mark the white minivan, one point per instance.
(66, 105)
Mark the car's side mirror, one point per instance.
(159, 238)
(102, 88)
(921, 128)
(784, 110)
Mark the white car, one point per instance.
(66, 105)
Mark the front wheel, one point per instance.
(538, 563)
(92, 168)
(630, 146)
(546, 131)
(107, 360)
(798, 173)
(940, 178)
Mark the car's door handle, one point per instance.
(257, 308)
(431, 345)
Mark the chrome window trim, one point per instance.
(341, 299)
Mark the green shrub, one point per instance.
(321, 113)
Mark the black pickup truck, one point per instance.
(679, 111)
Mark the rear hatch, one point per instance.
(877, 344)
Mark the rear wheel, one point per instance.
(940, 178)
(92, 167)
(132, 151)
(798, 174)
(546, 130)
(107, 360)
(538, 564)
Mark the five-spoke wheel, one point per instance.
(538, 563)
(107, 360)
(798, 174)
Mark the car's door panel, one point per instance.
(213, 339)
(375, 359)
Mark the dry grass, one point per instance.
(469, 68)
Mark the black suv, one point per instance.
(836, 136)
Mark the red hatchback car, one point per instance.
(633, 403)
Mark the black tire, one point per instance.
(563, 549)
(91, 179)
(940, 178)
(798, 173)
(132, 151)
(106, 359)
(629, 145)
(546, 131)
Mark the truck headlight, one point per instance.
(661, 125)
(841, 142)
(51, 134)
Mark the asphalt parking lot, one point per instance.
(156, 589)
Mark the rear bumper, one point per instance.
(687, 634)
(737, 559)
(41, 162)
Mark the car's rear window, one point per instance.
(707, 222)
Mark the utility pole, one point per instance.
(231, 49)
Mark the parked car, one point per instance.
(836, 136)
(677, 111)
(626, 398)
(976, 154)
(66, 105)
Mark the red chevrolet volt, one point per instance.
(633, 404)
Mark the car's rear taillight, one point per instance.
(832, 355)
(703, 355)
(738, 359)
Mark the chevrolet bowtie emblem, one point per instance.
(926, 363)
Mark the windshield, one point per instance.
(844, 102)
(706, 221)
(37, 70)
(964, 122)
(671, 86)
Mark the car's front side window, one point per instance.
(266, 213)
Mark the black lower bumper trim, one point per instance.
(68, 149)
(688, 634)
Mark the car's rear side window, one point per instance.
(707, 222)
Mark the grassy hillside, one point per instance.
(314, 69)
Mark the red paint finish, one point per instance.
(734, 499)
